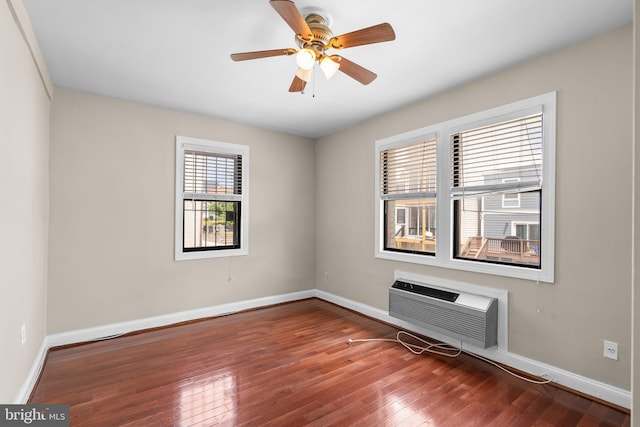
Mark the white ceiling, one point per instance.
(175, 53)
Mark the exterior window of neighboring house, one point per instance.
(408, 189)
(526, 231)
(211, 199)
(487, 180)
(510, 200)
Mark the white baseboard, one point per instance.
(574, 381)
(565, 378)
(89, 334)
(33, 375)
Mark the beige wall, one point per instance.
(563, 324)
(24, 186)
(112, 215)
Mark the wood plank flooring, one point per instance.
(291, 365)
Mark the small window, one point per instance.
(510, 200)
(408, 188)
(211, 199)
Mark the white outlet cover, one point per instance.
(611, 350)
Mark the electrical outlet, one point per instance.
(611, 350)
(326, 276)
(23, 333)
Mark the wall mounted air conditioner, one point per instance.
(468, 317)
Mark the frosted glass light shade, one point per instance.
(306, 58)
(329, 67)
(303, 74)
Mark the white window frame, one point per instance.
(188, 143)
(444, 204)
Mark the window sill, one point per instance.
(225, 253)
(516, 272)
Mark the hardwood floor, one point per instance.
(291, 365)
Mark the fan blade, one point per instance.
(354, 70)
(288, 11)
(376, 34)
(300, 80)
(262, 54)
(297, 85)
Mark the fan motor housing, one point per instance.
(319, 28)
(320, 31)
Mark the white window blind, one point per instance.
(212, 176)
(501, 158)
(409, 171)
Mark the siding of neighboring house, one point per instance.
(499, 225)
(498, 220)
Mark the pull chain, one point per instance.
(313, 83)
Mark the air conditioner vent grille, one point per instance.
(475, 324)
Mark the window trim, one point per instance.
(444, 242)
(189, 143)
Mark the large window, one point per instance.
(483, 184)
(496, 182)
(211, 198)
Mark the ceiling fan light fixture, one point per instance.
(303, 74)
(329, 67)
(313, 37)
(306, 58)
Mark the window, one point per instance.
(494, 167)
(408, 189)
(484, 182)
(211, 199)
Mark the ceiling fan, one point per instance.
(314, 38)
